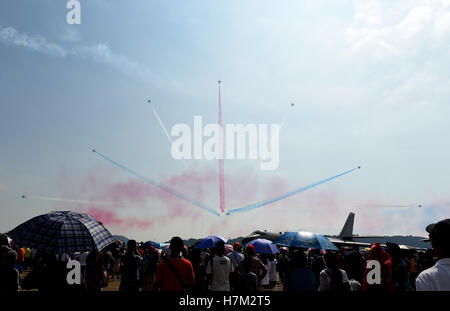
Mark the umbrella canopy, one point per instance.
(305, 239)
(210, 242)
(165, 248)
(62, 232)
(154, 244)
(263, 246)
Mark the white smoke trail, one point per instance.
(283, 121)
(69, 200)
(162, 125)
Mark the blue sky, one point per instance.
(370, 82)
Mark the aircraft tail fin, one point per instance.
(347, 230)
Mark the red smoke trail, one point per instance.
(146, 207)
(110, 218)
(221, 178)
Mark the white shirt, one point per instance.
(235, 258)
(325, 279)
(436, 278)
(265, 280)
(220, 273)
(273, 271)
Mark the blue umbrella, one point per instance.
(62, 232)
(263, 246)
(210, 242)
(305, 239)
(154, 244)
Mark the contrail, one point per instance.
(158, 185)
(388, 205)
(286, 195)
(221, 172)
(68, 200)
(285, 117)
(281, 126)
(169, 138)
(162, 125)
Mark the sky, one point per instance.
(370, 81)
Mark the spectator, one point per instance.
(94, 272)
(332, 278)
(219, 269)
(378, 254)
(199, 270)
(437, 278)
(247, 280)
(354, 265)
(236, 257)
(400, 275)
(175, 273)
(150, 266)
(317, 263)
(82, 258)
(130, 267)
(257, 267)
(267, 263)
(9, 276)
(299, 276)
(282, 263)
(272, 272)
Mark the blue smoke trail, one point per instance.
(158, 185)
(286, 195)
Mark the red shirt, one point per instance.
(21, 255)
(167, 278)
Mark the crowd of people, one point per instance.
(142, 267)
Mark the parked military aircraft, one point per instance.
(345, 238)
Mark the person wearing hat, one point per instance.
(235, 257)
(256, 266)
(437, 278)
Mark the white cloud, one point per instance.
(442, 26)
(386, 32)
(37, 43)
(369, 12)
(415, 23)
(99, 53)
(71, 35)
